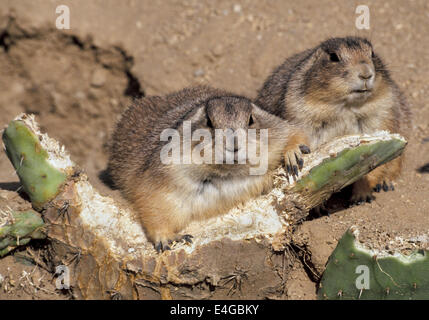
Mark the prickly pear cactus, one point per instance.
(19, 229)
(39, 178)
(341, 169)
(115, 257)
(353, 272)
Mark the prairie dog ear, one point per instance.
(196, 119)
(318, 53)
(199, 115)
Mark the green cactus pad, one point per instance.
(350, 164)
(40, 180)
(390, 277)
(25, 225)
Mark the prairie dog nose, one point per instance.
(366, 72)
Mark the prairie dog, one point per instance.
(168, 196)
(338, 88)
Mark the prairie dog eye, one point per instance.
(333, 57)
(251, 121)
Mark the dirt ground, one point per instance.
(78, 81)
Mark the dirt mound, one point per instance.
(75, 88)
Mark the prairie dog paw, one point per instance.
(293, 159)
(164, 245)
(186, 238)
(361, 195)
(385, 186)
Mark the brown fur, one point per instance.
(322, 90)
(167, 197)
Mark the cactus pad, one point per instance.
(389, 276)
(40, 180)
(23, 227)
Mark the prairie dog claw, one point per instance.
(293, 159)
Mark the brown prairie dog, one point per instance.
(338, 88)
(167, 196)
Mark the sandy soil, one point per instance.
(78, 81)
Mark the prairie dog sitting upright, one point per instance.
(168, 195)
(338, 88)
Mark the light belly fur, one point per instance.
(348, 122)
(203, 198)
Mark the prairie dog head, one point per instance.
(344, 70)
(230, 135)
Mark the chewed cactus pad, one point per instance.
(40, 180)
(348, 164)
(353, 272)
